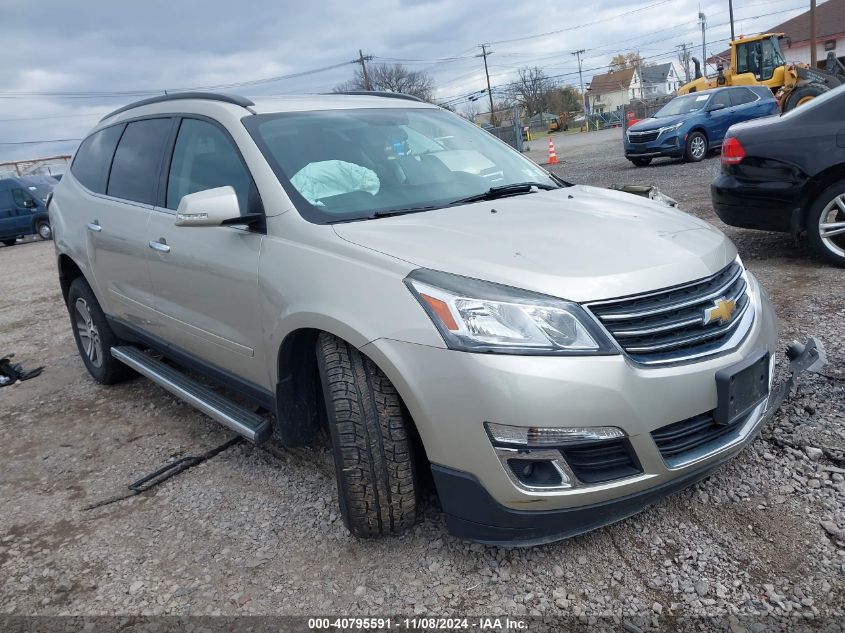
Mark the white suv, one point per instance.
(559, 356)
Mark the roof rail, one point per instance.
(378, 93)
(176, 96)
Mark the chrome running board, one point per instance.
(228, 413)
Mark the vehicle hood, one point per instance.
(578, 243)
(653, 124)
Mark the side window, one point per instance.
(20, 197)
(93, 158)
(721, 98)
(6, 203)
(205, 158)
(134, 171)
(740, 96)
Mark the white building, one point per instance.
(611, 91)
(660, 80)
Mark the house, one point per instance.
(611, 91)
(660, 80)
(830, 34)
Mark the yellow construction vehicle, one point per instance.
(758, 61)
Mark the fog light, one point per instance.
(548, 436)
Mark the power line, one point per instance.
(55, 140)
(585, 24)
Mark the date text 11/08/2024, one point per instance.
(416, 624)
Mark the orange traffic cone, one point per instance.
(552, 155)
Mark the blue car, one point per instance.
(23, 207)
(690, 126)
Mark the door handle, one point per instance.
(160, 246)
(95, 226)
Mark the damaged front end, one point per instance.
(646, 191)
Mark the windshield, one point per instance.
(683, 105)
(350, 164)
(38, 190)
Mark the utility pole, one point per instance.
(578, 54)
(731, 9)
(484, 54)
(363, 59)
(813, 54)
(703, 19)
(683, 57)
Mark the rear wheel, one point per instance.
(371, 441)
(94, 337)
(696, 147)
(640, 162)
(802, 95)
(826, 224)
(44, 231)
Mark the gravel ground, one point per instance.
(256, 531)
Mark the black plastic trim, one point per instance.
(249, 390)
(179, 96)
(471, 513)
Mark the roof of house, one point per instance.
(830, 20)
(613, 81)
(656, 74)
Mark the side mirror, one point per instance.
(716, 106)
(211, 207)
(29, 204)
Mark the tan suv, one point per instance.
(559, 356)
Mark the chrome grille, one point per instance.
(669, 325)
(643, 137)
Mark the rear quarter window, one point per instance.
(93, 158)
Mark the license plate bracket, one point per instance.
(740, 388)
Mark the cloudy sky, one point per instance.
(65, 64)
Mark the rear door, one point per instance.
(8, 215)
(117, 221)
(206, 278)
(721, 119)
(746, 105)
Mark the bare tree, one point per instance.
(564, 99)
(470, 111)
(626, 60)
(392, 78)
(530, 89)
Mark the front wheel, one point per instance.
(640, 162)
(44, 231)
(803, 95)
(696, 147)
(826, 224)
(371, 441)
(94, 337)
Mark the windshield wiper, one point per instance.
(505, 190)
(386, 213)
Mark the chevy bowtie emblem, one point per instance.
(722, 311)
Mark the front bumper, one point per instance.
(473, 514)
(670, 146)
(451, 394)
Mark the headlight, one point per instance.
(479, 316)
(670, 128)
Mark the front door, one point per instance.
(721, 119)
(206, 278)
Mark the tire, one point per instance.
(828, 209)
(697, 147)
(43, 230)
(371, 442)
(91, 331)
(802, 95)
(641, 162)
(9, 242)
